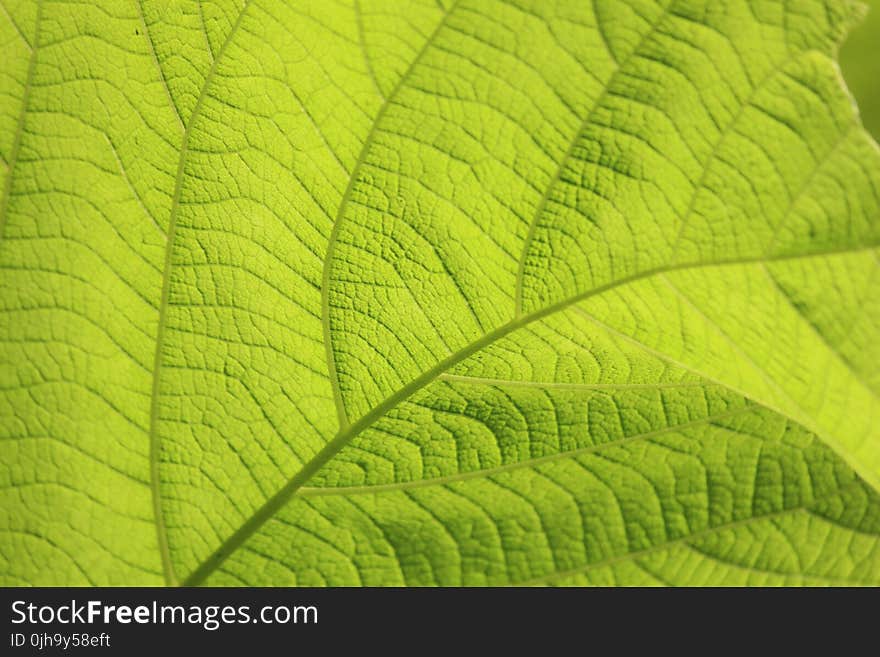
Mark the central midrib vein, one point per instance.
(344, 436)
(348, 430)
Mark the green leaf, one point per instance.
(471, 292)
(861, 67)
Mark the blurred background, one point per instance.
(860, 62)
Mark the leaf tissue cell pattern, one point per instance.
(460, 293)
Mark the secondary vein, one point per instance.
(348, 433)
(19, 128)
(343, 205)
(161, 530)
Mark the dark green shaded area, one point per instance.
(860, 62)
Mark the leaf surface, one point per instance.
(470, 292)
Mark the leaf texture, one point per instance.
(471, 292)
